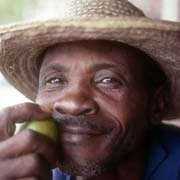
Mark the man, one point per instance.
(108, 75)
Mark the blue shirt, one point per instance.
(163, 156)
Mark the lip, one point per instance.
(79, 131)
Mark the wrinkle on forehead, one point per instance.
(100, 45)
(108, 48)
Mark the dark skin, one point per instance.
(95, 90)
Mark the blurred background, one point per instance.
(19, 10)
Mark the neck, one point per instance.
(131, 168)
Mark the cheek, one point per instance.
(46, 99)
(129, 119)
(128, 110)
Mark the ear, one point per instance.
(158, 105)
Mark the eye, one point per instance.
(108, 82)
(55, 81)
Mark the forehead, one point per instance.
(97, 49)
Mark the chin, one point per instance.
(83, 168)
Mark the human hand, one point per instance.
(27, 155)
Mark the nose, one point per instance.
(73, 104)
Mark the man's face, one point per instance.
(95, 90)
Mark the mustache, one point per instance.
(83, 122)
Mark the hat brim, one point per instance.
(21, 46)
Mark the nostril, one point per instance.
(87, 111)
(75, 107)
(59, 110)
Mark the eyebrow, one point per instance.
(56, 67)
(97, 67)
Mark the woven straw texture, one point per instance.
(21, 45)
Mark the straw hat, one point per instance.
(21, 45)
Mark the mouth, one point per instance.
(79, 131)
(73, 135)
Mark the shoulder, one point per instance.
(170, 138)
(164, 157)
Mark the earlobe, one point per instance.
(158, 105)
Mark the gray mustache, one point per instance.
(83, 122)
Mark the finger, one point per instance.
(31, 165)
(17, 114)
(26, 142)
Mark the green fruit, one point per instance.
(47, 127)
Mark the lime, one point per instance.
(47, 127)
